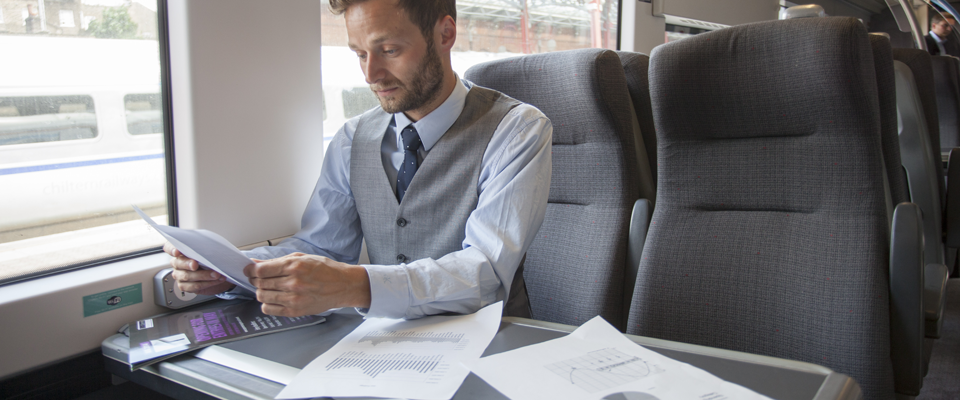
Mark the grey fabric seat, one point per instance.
(920, 152)
(920, 64)
(946, 72)
(575, 268)
(889, 134)
(771, 234)
(635, 66)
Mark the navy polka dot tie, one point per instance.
(411, 143)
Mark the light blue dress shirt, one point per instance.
(513, 187)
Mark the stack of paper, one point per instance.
(417, 359)
(210, 250)
(598, 362)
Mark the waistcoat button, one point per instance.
(401, 258)
(401, 222)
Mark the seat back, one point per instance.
(920, 64)
(946, 72)
(575, 267)
(889, 134)
(770, 234)
(635, 67)
(920, 144)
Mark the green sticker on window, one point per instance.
(112, 299)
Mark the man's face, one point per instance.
(943, 28)
(402, 67)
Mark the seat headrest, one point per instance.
(804, 11)
(777, 73)
(590, 81)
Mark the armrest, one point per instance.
(934, 297)
(952, 211)
(906, 298)
(639, 223)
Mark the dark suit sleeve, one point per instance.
(932, 45)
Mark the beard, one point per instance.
(424, 87)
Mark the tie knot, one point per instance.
(410, 137)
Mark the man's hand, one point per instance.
(300, 284)
(190, 278)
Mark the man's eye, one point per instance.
(389, 52)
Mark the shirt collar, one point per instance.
(937, 38)
(432, 126)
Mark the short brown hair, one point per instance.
(938, 18)
(423, 13)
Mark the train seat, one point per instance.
(946, 72)
(635, 66)
(575, 268)
(920, 64)
(889, 132)
(771, 232)
(920, 153)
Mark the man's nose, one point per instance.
(373, 69)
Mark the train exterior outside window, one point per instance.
(81, 134)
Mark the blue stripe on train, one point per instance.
(48, 167)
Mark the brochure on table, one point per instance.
(155, 339)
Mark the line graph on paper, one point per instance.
(603, 369)
(408, 338)
(404, 366)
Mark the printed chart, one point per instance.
(603, 369)
(383, 357)
(377, 337)
(373, 365)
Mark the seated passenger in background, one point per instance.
(940, 40)
(449, 239)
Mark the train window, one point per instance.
(144, 113)
(358, 100)
(486, 30)
(35, 119)
(81, 126)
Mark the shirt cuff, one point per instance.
(388, 291)
(237, 293)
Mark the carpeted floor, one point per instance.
(943, 380)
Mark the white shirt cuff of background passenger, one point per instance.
(388, 291)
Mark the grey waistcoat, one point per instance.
(431, 220)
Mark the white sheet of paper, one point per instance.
(415, 359)
(253, 365)
(209, 249)
(598, 362)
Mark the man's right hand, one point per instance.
(190, 278)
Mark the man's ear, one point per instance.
(446, 29)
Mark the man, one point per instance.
(938, 39)
(446, 181)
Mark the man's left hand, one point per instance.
(299, 284)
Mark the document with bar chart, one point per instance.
(598, 362)
(417, 359)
